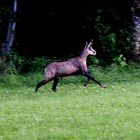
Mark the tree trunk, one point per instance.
(7, 45)
(136, 21)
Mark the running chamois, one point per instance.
(74, 66)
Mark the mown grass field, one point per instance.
(74, 112)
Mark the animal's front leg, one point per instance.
(89, 76)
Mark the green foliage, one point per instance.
(93, 61)
(2, 65)
(38, 63)
(6, 68)
(109, 23)
(120, 60)
(14, 63)
(17, 62)
(114, 41)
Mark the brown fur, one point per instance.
(74, 66)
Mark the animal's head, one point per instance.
(89, 48)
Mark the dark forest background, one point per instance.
(60, 28)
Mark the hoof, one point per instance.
(85, 84)
(36, 90)
(103, 86)
(54, 90)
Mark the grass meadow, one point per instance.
(74, 112)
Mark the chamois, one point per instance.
(74, 66)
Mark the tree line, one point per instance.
(60, 29)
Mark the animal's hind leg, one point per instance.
(55, 82)
(43, 82)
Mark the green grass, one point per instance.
(74, 112)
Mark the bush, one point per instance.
(2, 65)
(93, 61)
(38, 63)
(114, 41)
(17, 62)
(6, 67)
(14, 63)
